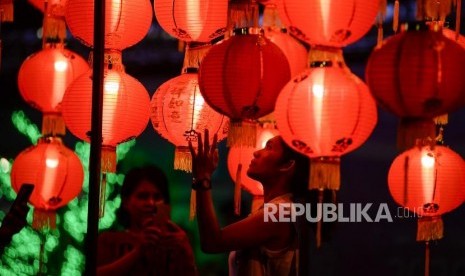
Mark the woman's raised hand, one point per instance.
(204, 162)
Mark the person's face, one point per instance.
(267, 161)
(142, 203)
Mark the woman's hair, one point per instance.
(132, 180)
(299, 181)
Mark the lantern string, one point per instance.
(395, 20)
(103, 187)
(457, 19)
(319, 222)
(193, 205)
(237, 190)
(427, 260)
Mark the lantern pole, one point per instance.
(95, 139)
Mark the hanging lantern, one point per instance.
(334, 23)
(126, 22)
(43, 79)
(187, 20)
(417, 75)
(179, 112)
(323, 113)
(239, 159)
(57, 174)
(125, 108)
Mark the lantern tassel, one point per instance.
(103, 190)
(410, 130)
(458, 13)
(237, 190)
(325, 173)
(54, 29)
(319, 222)
(395, 20)
(53, 125)
(380, 39)
(108, 159)
(430, 228)
(193, 205)
(43, 219)
(182, 159)
(6, 11)
(242, 134)
(441, 120)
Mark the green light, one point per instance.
(24, 125)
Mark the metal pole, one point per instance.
(95, 138)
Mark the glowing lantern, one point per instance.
(126, 22)
(333, 23)
(125, 108)
(179, 112)
(43, 79)
(188, 20)
(57, 174)
(325, 112)
(417, 75)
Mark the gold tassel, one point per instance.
(53, 125)
(194, 55)
(43, 219)
(442, 119)
(6, 11)
(380, 39)
(395, 20)
(242, 14)
(237, 190)
(323, 53)
(430, 228)
(458, 13)
(242, 133)
(103, 190)
(257, 203)
(181, 46)
(193, 205)
(108, 159)
(319, 223)
(409, 130)
(325, 173)
(182, 159)
(54, 28)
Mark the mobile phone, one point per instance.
(23, 195)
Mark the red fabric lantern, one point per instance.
(188, 20)
(126, 22)
(325, 112)
(334, 23)
(125, 108)
(57, 174)
(242, 77)
(417, 75)
(43, 79)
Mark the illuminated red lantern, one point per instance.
(179, 112)
(241, 78)
(417, 75)
(43, 79)
(188, 20)
(125, 108)
(325, 112)
(334, 23)
(126, 22)
(57, 174)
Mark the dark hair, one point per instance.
(132, 180)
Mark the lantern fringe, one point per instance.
(242, 133)
(237, 190)
(183, 159)
(441, 120)
(271, 18)
(324, 53)
(242, 14)
(325, 173)
(54, 28)
(6, 11)
(53, 124)
(319, 223)
(434, 10)
(43, 219)
(194, 56)
(395, 20)
(430, 228)
(411, 129)
(257, 203)
(102, 197)
(193, 205)
(108, 159)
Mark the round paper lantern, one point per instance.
(417, 75)
(43, 79)
(57, 174)
(179, 112)
(126, 22)
(334, 23)
(125, 108)
(188, 20)
(325, 112)
(241, 78)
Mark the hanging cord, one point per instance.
(395, 19)
(427, 253)
(1, 43)
(457, 19)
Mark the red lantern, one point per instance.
(241, 78)
(57, 174)
(126, 22)
(125, 108)
(325, 112)
(43, 79)
(188, 20)
(417, 75)
(334, 23)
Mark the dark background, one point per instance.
(354, 249)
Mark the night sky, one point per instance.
(354, 248)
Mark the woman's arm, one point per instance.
(121, 266)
